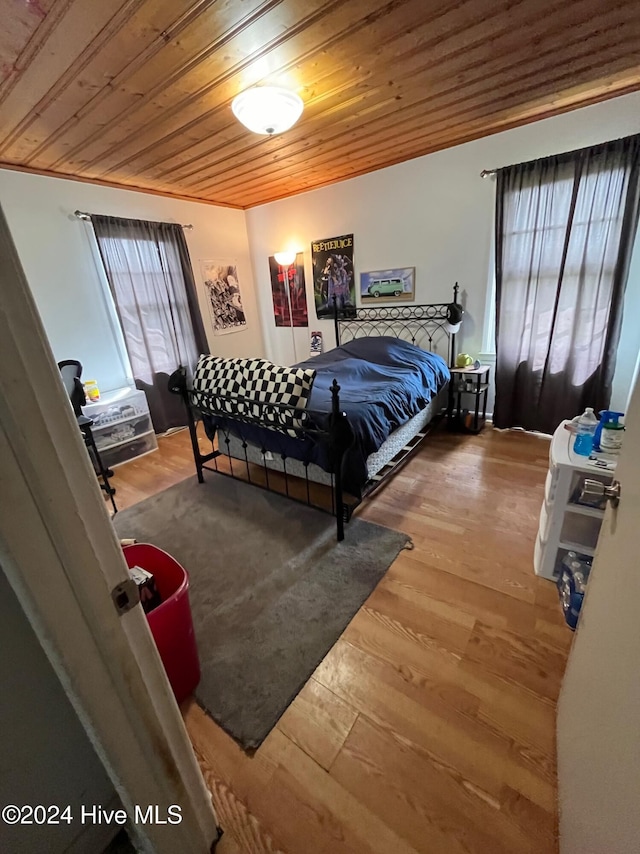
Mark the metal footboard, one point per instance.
(332, 430)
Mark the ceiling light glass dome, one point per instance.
(267, 109)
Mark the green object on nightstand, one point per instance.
(463, 360)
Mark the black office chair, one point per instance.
(71, 371)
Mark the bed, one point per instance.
(346, 418)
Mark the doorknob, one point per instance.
(593, 491)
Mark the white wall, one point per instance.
(599, 705)
(434, 213)
(45, 754)
(60, 260)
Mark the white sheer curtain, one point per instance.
(149, 273)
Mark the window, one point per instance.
(564, 236)
(151, 281)
(153, 312)
(540, 242)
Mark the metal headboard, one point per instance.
(431, 325)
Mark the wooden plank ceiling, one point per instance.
(137, 93)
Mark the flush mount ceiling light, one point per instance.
(267, 109)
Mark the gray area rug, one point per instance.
(270, 589)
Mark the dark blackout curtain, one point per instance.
(151, 280)
(565, 229)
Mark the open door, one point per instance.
(599, 705)
(62, 558)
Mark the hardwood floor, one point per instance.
(430, 725)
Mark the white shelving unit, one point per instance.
(566, 524)
(122, 426)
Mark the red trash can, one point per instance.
(170, 622)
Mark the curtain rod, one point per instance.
(87, 217)
(486, 172)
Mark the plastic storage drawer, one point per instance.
(122, 426)
(116, 406)
(110, 435)
(124, 451)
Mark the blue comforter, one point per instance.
(383, 383)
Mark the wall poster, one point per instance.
(397, 284)
(315, 343)
(333, 274)
(222, 290)
(289, 292)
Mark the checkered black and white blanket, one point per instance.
(254, 388)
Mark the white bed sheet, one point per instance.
(375, 462)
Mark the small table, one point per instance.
(473, 382)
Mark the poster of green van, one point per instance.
(393, 285)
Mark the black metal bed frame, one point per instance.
(420, 323)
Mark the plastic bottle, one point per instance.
(585, 431)
(92, 391)
(572, 583)
(611, 437)
(607, 416)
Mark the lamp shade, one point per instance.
(454, 313)
(267, 109)
(285, 259)
(454, 318)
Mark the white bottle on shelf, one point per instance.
(585, 431)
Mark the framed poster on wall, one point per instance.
(289, 293)
(333, 275)
(397, 284)
(222, 290)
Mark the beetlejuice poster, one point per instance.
(333, 276)
(289, 292)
